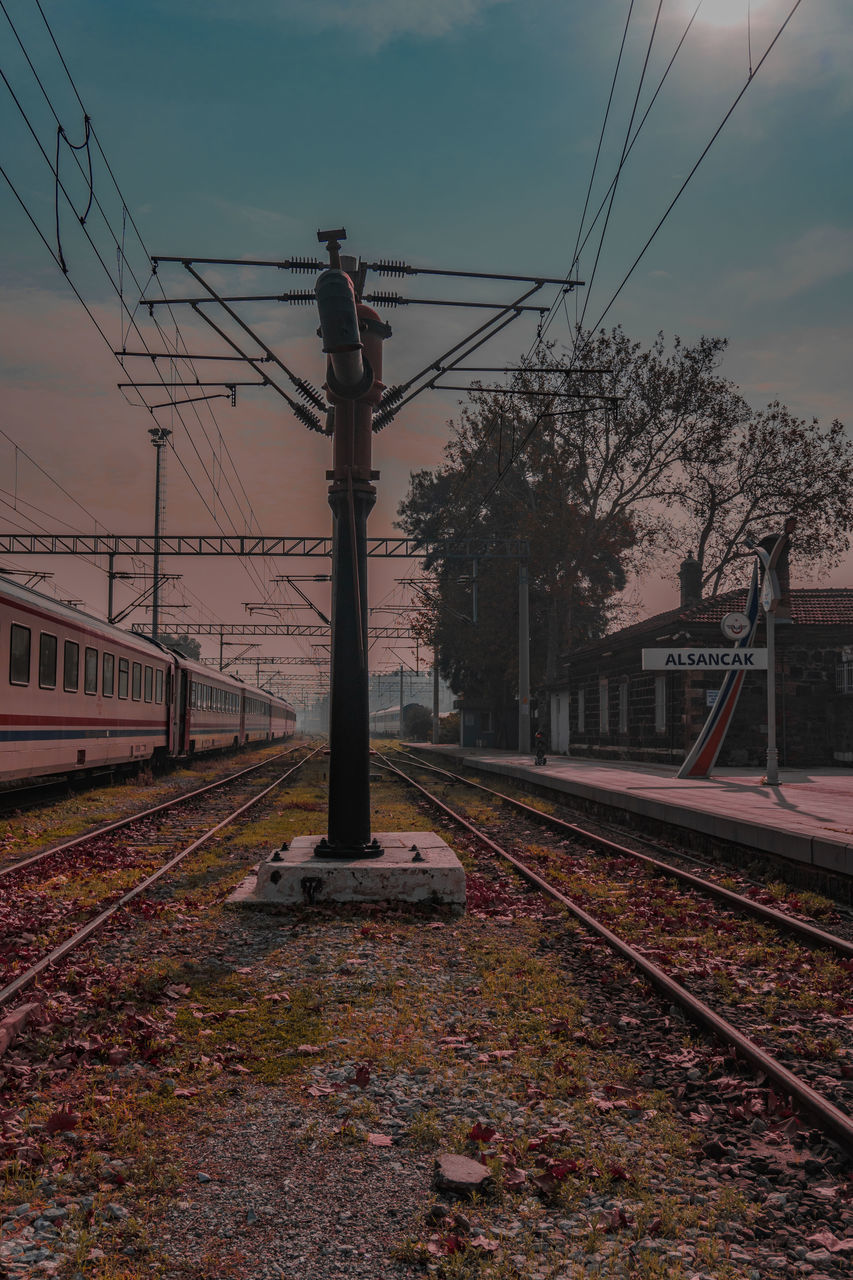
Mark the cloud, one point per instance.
(805, 366)
(820, 255)
(376, 22)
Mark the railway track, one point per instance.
(781, 918)
(42, 931)
(717, 959)
(104, 829)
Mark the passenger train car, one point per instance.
(78, 693)
(386, 723)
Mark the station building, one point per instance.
(603, 704)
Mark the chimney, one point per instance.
(690, 577)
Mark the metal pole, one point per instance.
(401, 700)
(349, 709)
(435, 697)
(221, 649)
(772, 753)
(111, 577)
(159, 436)
(523, 660)
(352, 339)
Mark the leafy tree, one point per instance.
(448, 729)
(575, 479)
(417, 722)
(652, 453)
(186, 645)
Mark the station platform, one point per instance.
(807, 819)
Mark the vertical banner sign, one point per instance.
(701, 759)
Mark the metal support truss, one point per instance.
(108, 544)
(274, 629)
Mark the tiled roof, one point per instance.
(810, 606)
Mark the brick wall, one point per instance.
(814, 722)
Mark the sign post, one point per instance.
(701, 758)
(771, 552)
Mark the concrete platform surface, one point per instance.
(415, 866)
(808, 818)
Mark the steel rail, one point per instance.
(820, 937)
(24, 980)
(829, 1118)
(137, 817)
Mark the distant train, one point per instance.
(386, 723)
(80, 694)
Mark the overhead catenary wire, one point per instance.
(603, 131)
(702, 156)
(580, 349)
(122, 259)
(580, 244)
(125, 215)
(621, 165)
(121, 255)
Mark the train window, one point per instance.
(158, 685)
(90, 671)
(71, 667)
(136, 684)
(47, 661)
(123, 677)
(108, 670)
(19, 654)
(149, 683)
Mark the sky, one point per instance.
(454, 134)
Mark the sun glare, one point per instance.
(726, 13)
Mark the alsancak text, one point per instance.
(704, 659)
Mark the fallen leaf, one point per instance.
(379, 1140)
(482, 1242)
(62, 1121)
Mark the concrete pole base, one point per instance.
(414, 867)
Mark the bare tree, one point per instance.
(748, 478)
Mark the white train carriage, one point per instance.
(282, 718)
(78, 693)
(220, 711)
(211, 709)
(265, 716)
(386, 723)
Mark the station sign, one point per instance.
(704, 659)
